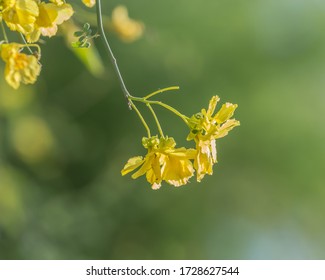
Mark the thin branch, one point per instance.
(109, 50)
(160, 90)
(170, 108)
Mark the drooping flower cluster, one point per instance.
(163, 162)
(205, 129)
(176, 166)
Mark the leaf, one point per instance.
(85, 44)
(74, 44)
(86, 27)
(91, 59)
(78, 33)
(82, 38)
(88, 33)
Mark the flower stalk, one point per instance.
(164, 162)
(141, 118)
(156, 120)
(160, 91)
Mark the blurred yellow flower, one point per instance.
(32, 139)
(127, 29)
(20, 68)
(50, 16)
(163, 162)
(89, 3)
(20, 15)
(58, 2)
(205, 129)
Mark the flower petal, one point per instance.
(206, 154)
(145, 167)
(225, 128)
(177, 171)
(225, 113)
(212, 105)
(132, 164)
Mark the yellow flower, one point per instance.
(163, 162)
(50, 16)
(205, 129)
(20, 68)
(127, 29)
(89, 3)
(20, 15)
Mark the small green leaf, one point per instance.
(85, 45)
(75, 44)
(78, 33)
(82, 38)
(86, 26)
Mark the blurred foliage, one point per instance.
(64, 141)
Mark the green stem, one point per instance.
(183, 117)
(30, 45)
(24, 40)
(4, 32)
(156, 120)
(35, 46)
(177, 113)
(160, 90)
(109, 50)
(141, 117)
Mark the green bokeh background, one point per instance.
(64, 141)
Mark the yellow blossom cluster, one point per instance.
(176, 166)
(36, 18)
(30, 18)
(163, 162)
